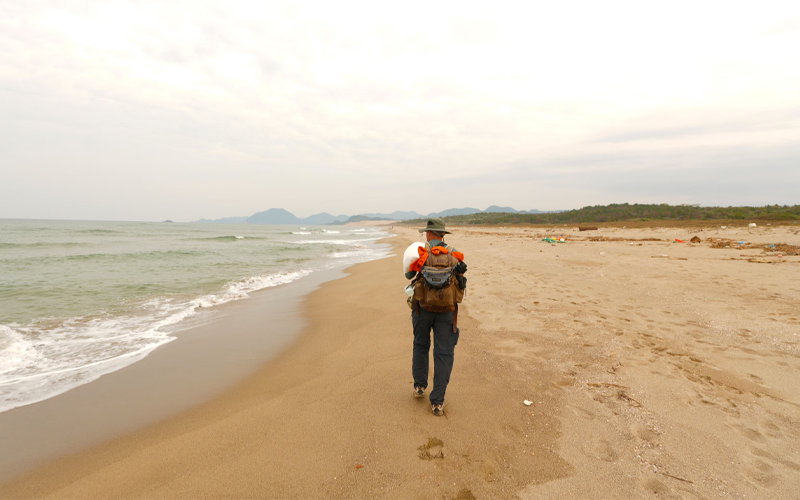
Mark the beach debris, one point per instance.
(359, 466)
(527, 403)
(752, 224)
(695, 239)
(679, 241)
(587, 228)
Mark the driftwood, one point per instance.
(587, 228)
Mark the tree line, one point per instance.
(626, 212)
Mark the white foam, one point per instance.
(330, 232)
(333, 242)
(15, 352)
(301, 232)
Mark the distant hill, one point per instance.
(358, 218)
(281, 216)
(454, 211)
(495, 209)
(274, 216)
(626, 212)
(225, 220)
(398, 215)
(323, 218)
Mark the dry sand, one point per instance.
(666, 377)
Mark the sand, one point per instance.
(664, 370)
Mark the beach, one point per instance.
(653, 369)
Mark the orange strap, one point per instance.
(417, 264)
(423, 256)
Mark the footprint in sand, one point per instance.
(432, 449)
(762, 473)
(644, 434)
(465, 494)
(602, 450)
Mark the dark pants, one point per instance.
(444, 344)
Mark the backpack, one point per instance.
(436, 287)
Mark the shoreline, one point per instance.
(331, 416)
(200, 364)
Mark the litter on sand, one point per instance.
(679, 241)
(527, 403)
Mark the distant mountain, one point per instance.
(358, 218)
(281, 216)
(399, 215)
(323, 218)
(225, 220)
(274, 216)
(495, 209)
(455, 211)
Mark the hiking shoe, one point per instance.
(438, 410)
(419, 391)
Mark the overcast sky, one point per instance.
(182, 110)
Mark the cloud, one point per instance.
(791, 25)
(210, 109)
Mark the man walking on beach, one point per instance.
(439, 286)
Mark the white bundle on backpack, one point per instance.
(411, 254)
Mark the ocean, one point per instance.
(81, 299)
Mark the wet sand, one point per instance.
(664, 370)
(229, 342)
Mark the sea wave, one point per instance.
(228, 238)
(44, 244)
(334, 242)
(39, 362)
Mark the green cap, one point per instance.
(436, 225)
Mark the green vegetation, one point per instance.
(626, 212)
